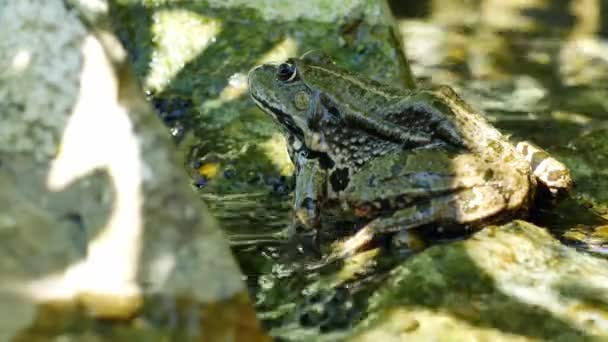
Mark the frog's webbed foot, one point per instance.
(547, 170)
(306, 224)
(306, 212)
(306, 240)
(405, 240)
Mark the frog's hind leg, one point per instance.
(550, 172)
(469, 206)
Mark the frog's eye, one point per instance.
(286, 72)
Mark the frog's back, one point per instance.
(485, 139)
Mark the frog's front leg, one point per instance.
(309, 192)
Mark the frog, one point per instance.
(392, 159)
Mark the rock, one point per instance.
(97, 220)
(506, 283)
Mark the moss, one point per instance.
(507, 279)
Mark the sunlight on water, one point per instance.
(274, 149)
(181, 36)
(280, 52)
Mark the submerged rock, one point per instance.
(513, 282)
(97, 220)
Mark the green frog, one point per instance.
(395, 159)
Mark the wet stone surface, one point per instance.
(102, 238)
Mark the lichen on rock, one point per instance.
(97, 220)
(39, 51)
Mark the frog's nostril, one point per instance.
(252, 72)
(258, 73)
(253, 77)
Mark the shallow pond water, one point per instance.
(538, 70)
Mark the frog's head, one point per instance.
(290, 92)
(280, 90)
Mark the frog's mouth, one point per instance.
(285, 120)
